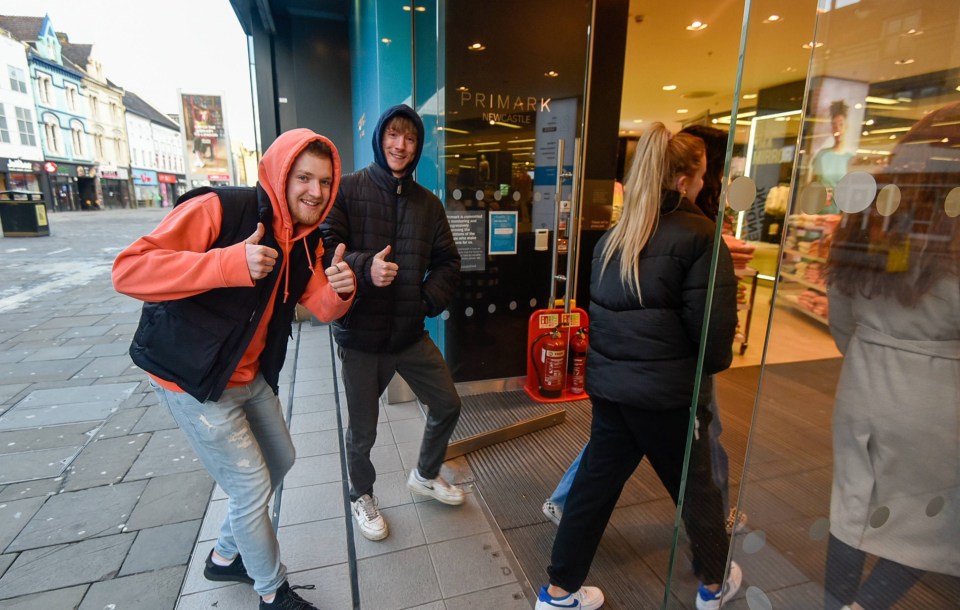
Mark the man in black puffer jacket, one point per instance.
(401, 249)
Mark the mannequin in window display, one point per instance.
(894, 288)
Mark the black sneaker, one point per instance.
(235, 572)
(286, 599)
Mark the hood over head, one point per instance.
(272, 176)
(408, 112)
(273, 171)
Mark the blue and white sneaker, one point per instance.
(708, 600)
(586, 598)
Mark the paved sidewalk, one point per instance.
(104, 505)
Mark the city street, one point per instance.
(100, 497)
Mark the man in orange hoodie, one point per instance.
(221, 276)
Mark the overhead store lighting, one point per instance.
(697, 26)
(477, 47)
(669, 87)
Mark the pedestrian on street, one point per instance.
(221, 276)
(407, 266)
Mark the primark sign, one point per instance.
(514, 109)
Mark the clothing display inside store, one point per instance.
(804, 256)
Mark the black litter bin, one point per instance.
(23, 214)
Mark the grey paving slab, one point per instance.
(9, 356)
(157, 417)
(398, 580)
(313, 471)
(314, 422)
(116, 348)
(213, 519)
(66, 405)
(314, 388)
(61, 599)
(161, 547)
(167, 452)
(171, 499)
(313, 372)
(313, 404)
(85, 332)
(70, 322)
(403, 411)
(405, 533)
(79, 515)
(33, 465)
(19, 418)
(51, 370)
(106, 366)
(83, 562)
(313, 443)
(386, 458)
(471, 564)
(30, 489)
(55, 353)
(506, 597)
(35, 334)
(391, 489)
(407, 430)
(194, 582)
(14, 516)
(9, 390)
(103, 462)
(150, 591)
(5, 561)
(437, 605)
(237, 596)
(441, 522)
(313, 503)
(313, 545)
(121, 423)
(48, 437)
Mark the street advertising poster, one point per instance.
(205, 141)
(503, 233)
(835, 113)
(469, 234)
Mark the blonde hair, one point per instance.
(660, 159)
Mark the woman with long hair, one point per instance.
(893, 280)
(648, 304)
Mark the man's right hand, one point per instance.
(381, 271)
(260, 259)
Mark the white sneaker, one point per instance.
(367, 515)
(552, 512)
(437, 488)
(586, 598)
(706, 600)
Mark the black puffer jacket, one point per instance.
(645, 356)
(374, 209)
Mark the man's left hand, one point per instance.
(339, 273)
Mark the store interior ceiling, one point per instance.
(870, 41)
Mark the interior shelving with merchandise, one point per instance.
(802, 274)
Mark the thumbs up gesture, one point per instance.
(382, 271)
(339, 273)
(260, 259)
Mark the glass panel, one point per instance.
(510, 90)
(852, 479)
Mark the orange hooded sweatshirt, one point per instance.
(175, 261)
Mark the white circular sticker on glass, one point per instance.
(479, 195)
(757, 599)
(742, 193)
(497, 196)
(445, 315)
(468, 311)
(513, 305)
(533, 302)
(457, 194)
(492, 308)
(888, 200)
(813, 198)
(516, 195)
(952, 205)
(537, 196)
(855, 192)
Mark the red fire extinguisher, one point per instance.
(578, 360)
(549, 362)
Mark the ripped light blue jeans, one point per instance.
(245, 445)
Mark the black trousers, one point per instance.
(365, 377)
(886, 584)
(619, 438)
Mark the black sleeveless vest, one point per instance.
(197, 342)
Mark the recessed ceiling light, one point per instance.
(669, 87)
(893, 137)
(421, 9)
(476, 47)
(958, 87)
(945, 140)
(790, 69)
(406, 8)
(904, 62)
(868, 122)
(749, 96)
(462, 88)
(912, 32)
(865, 132)
(773, 19)
(682, 111)
(385, 40)
(551, 74)
(714, 121)
(637, 120)
(696, 26)
(811, 45)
